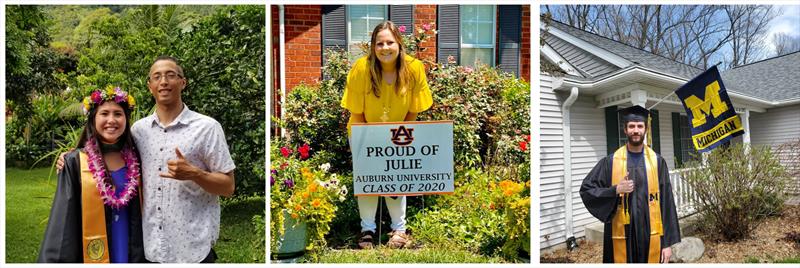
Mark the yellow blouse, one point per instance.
(359, 99)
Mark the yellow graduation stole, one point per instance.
(622, 218)
(93, 213)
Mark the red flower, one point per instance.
(528, 138)
(303, 151)
(523, 146)
(284, 165)
(286, 152)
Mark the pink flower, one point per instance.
(402, 28)
(96, 97)
(426, 27)
(286, 151)
(303, 151)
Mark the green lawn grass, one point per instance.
(424, 255)
(29, 195)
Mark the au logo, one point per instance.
(402, 135)
(711, 104)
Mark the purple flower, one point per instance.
(289, 183)
(271, 180)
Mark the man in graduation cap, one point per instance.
(630, 192)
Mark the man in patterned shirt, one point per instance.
(186, 165)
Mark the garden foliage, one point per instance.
(222, 50)
(489, 211)
(736, 188)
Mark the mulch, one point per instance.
(777, 238)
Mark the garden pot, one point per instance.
(293, 242)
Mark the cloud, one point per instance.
(787, 22)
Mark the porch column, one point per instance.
(746, 125)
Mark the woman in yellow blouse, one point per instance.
(385, 86)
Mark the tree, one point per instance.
(785, 43)
(694, 35)
(223, 58)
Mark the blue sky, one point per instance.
(788, 22)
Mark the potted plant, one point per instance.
(303, 196)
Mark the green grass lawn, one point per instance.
(29, 195)
(424, 255)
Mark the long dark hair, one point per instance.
(89, 129)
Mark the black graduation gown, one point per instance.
(601, 199)
(63, 241)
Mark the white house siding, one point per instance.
(552, 165)
(588, 146)
(775, 127)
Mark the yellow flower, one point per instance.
(110, 91)
(86, 104)
(305, 195)
(305, 170)
(298, 207)
(528, 184)
(131, 100)
(316, 202)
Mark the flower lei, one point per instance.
(114, 94)
(98, 169)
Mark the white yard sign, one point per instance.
(402, 158)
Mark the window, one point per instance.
(477, 35)
(688, 153)
(361, 19)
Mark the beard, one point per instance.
(638, 140)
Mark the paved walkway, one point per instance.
(794, 200)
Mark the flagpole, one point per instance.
(673, 92)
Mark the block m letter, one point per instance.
(710, 104)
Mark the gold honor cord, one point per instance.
(93, 215)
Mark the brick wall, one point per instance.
(426, 14)
(303, 26)
(525, 46)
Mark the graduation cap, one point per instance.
(634, 113)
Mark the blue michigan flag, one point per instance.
(712, 118)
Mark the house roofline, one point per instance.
(641, 71)
(763, 60)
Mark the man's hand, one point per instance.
(60, 161)
(666, 253)
(180, 169)
(625, 186)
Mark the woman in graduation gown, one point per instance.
(96, 213)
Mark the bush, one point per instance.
(736, 188)
(313, 115)
(486, 105)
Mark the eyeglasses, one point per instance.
(170, 76)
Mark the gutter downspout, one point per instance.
(282, 59)
(565, 114)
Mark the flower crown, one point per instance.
(115, 94)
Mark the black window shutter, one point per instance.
(676, 139)
(334, 28)
(402, 15)
(655, 130)
(510, 22)
(449, 39)
(612, 129)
